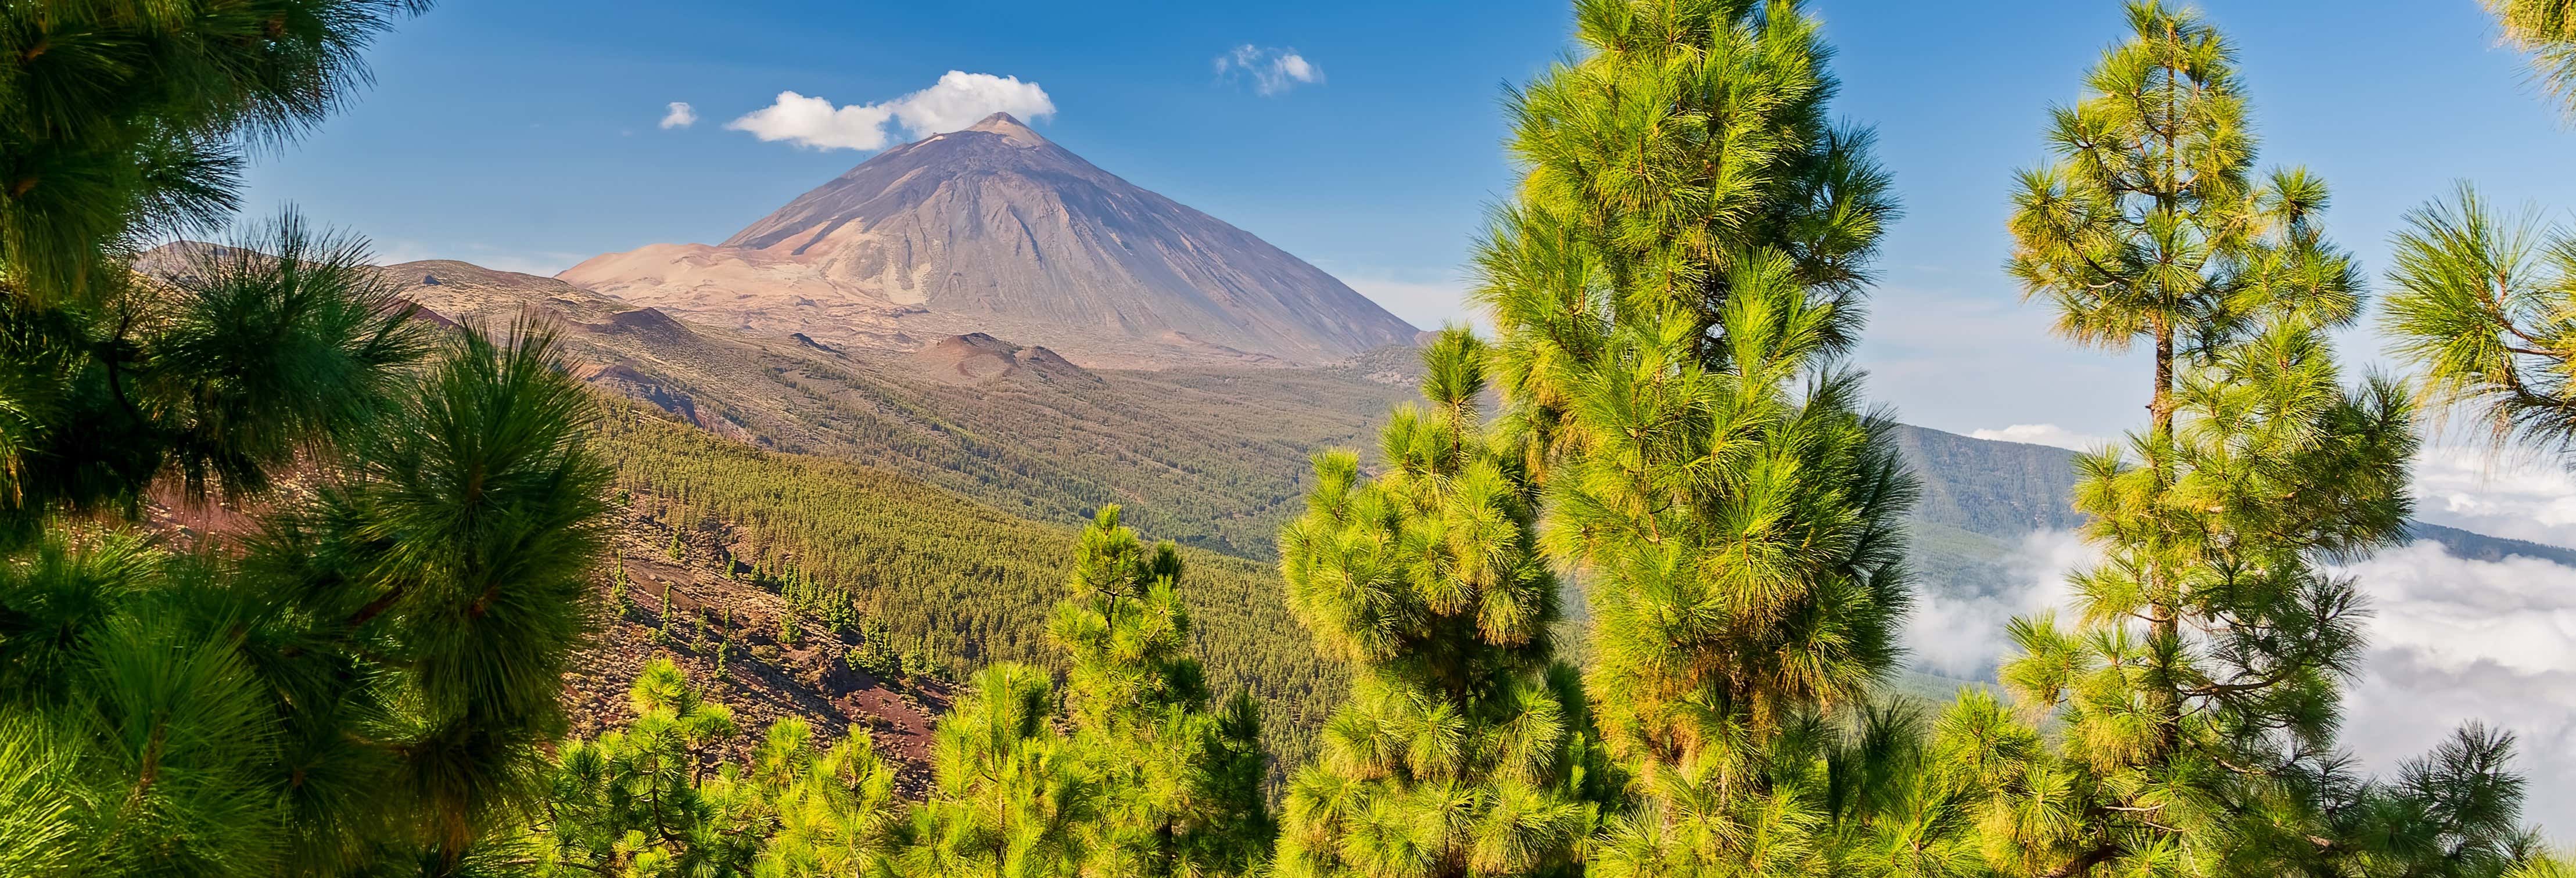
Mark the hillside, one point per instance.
(895, 584)
(996, 230)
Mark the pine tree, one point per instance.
(637, 802)
(1463, 748)
(366, 681)
(642, 801)
(1143, 778)
(2545, 30)
(2152, 227)
(124, 122)
(2195, 697)
(1181, 783)
(1015, 796)
(836, 810)
(1673, 288)
(2485, 308)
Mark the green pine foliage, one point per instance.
(1673, 289)
(1463, 748)
(122, 120)
(2193, 695)
(1181, 777)
(370, 678)
(1142, 777)
(2546, 31)
(835, 809)
(645, 801)
(2485, 308)
(1145, 775)
(1014, 796)
(637, 801)
(366, 681)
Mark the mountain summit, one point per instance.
(995, 229)
(1010, 128)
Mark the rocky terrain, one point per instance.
(679, 595)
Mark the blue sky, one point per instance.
(524, 135)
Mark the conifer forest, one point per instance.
(298, 577)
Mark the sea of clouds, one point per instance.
(2452, 641)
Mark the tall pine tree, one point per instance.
(2195, 696)
(1673, 288)
(2152, 227)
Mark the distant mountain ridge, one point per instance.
(997, 230)
(2003, 489)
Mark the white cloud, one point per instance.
(2509, 496)
(1273, 71)
(2455, 640)
(681, 115)
(960, 99)
(815, 123)
(2043, 434)
(1962, 635)
(2452, 641)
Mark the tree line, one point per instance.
(363, 674)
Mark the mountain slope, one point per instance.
(1212, 457)
(996, 230)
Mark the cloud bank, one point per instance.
(2509, 496)
(958, 100)
(2454, 640)
(1962, 635)
(1272, 71)
(681, 116)
(2451, 641)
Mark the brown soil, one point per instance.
(763, 680)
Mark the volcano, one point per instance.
(995, 229)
